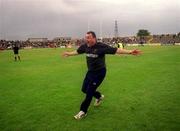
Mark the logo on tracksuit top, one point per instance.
(92, 55)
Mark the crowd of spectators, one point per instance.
(166, 39)
(162, 39)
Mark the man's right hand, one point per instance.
(67, 54)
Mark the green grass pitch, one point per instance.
(43, 91)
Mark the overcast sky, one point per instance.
(21, 19)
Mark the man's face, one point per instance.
(90, 39)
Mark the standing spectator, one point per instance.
(16, 52)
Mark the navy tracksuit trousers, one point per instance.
(91, 82)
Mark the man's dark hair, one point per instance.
(92, 32)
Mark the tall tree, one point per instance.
(143, 32)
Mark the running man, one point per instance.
(95, 57)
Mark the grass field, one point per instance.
(43, 92)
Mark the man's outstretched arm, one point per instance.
(67, 54)
(124, 51)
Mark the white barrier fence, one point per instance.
(154, 44)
